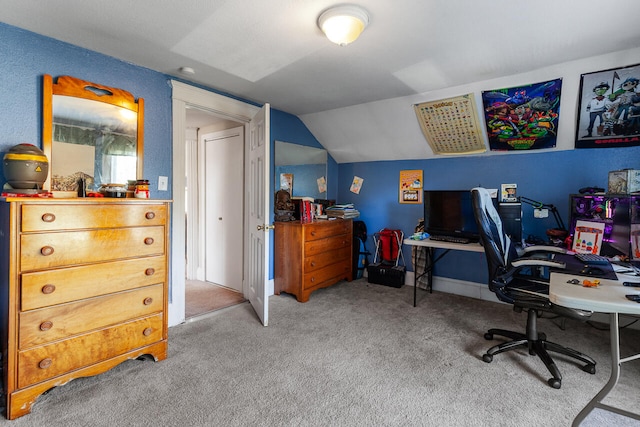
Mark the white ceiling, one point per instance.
(272, 51)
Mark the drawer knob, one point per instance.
(313, 279)
(48, 289)
(147, 301)
(46, 325)
(45, 363)
(150, 215)
(313, 264)
(48, 217)
(313, 233)
(147, 332)
(148, 241)
(149, 271)
(47, 250)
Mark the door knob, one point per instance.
(266, 227)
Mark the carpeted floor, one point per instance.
(356, 354)
(204, 297)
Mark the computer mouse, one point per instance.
(592, 271)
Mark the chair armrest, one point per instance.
(543, 248)
(538, 262)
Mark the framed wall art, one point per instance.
(609, 108)
(410, 186)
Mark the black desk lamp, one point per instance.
(560, 232)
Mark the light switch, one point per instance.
(163, 183)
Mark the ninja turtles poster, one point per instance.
(523, 117)
(609, 108)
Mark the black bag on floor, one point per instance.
(381, 273)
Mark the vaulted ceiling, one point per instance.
(273, 51)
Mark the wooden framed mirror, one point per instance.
(90, 131)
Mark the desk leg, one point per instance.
(430, 252)
(415, 276)
(613, 379)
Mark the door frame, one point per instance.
(184, 95)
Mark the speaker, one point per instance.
(511, 216)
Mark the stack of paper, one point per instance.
(342, 211)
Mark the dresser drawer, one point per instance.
(48, 361)
(329, 244)
(322, 229)
(50, 287)
(331, 273)
(61, 321)
(48, 217)
(321, 260)
(47, 250)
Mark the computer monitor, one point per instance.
(450, 213)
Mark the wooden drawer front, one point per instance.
(83, 247)
(57, 358)
(61, 321)
(330, 273)
(78, 216)
(323, 229)
(321, 260)
(50, 287)
(330, 244)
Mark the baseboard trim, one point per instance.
(458, 287)
(482, 292)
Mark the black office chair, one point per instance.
(520, 280)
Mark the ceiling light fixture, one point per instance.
(343, 24)
(187, 70)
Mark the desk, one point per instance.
(609, 298)
(431, 245)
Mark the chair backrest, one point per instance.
(498, 248)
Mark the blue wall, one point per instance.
(286, 127)
(547, 177)
(26, 57)
(305, 179)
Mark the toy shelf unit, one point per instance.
(620, 215)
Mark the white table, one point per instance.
(609, 298)
(431, 245)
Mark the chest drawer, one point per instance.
(50, 287)
(323, 229)
(323, 259)
(47, 250)
(60, 321)
(329, 244)
(329, 274)
(73, 217)
(47, 361)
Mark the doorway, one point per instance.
(256, 233)
(214, 155)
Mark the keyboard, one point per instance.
(592, 259)
(450, 239)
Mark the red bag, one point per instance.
(389, 244)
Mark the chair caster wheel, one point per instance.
(488, 336)
(487, 358)
(590, 368)
(555, 383)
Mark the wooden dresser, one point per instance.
(83, 288)
(312, 256)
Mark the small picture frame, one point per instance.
(509, 192)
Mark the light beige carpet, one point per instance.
(203, 297)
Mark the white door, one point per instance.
(223, 171)
(257, 204)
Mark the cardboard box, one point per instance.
(624, 181)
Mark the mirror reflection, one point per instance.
(301, 169)
(92, 133)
